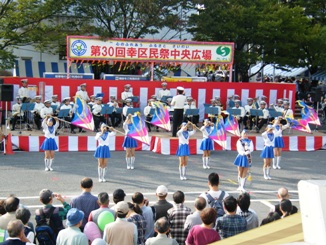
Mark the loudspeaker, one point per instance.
(1, 80)
(6, 92)
(318, 94)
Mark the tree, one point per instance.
(262, 30)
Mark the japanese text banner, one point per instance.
(140, 50)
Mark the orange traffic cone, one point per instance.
(9, 145)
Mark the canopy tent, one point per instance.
(271, 70)
(28, 68)
(319, 76)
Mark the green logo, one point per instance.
(223, 51)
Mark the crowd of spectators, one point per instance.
(137, 222)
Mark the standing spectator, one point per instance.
(138, 198)
(230, 224)
(72, 234)
(244, 211)
(194, 218)
(162, 205)
(118, 196)
(162, 227)
(177, 217)
(204, 233)
(85, 202)
(82, 93)
(163, 92)
(178, 103)
(11, 204)
(121, 231)
(103, 201)
(282, 194)
(15, 230)
(135, 216)
(55, 214)
(24, 215)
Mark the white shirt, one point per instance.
(265, 114)
(147, 110)
(178, 101)
(67, 107)
(46, 131)
(102, 142)
(248, 108)
(56, 104)
(204, 131)
(83, 94)
(162, 93)
(23, 92)
(214, 194)
(96, 109)
(113, 104)
(46, 111)
(125, 109)
(38, 107)
(125, 95)
(243, 150)
(287, 113)
(16, 110)
(242, 111)
(182, 139)
(267, 141)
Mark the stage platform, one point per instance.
(160, 142)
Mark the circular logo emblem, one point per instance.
(223, 51)
(78, 47)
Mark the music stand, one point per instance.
(54, 107)
(231, 103)
(256, 113)
(118, 110)
(165, 98)
(132, 111)
(274, 113)
(152, 111)
(107, 110)
(134, 99)
(206, 105)
(212, 110)
(191, 113)
(234, 112)
(27, 108)
(63, 113)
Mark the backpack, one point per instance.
(45, 234)
(216, 203)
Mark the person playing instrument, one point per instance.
(82, 93)
(218, 102)
(213, 117)
(127, 93)
(66, 106)
(191, 104)
(96, 111)
(243, 161)
(102, 152)
(163, 92)
(49, 145)
(262, 120)
(148, 115)
(183, 151)
(17, 113)
(278, 143)
(115, 117)
(38, 105)
(127, 105)
(92, 100)
(207, 143)
(264, 98)
(247, 119)
(129, 143)
(23, 91)
(279, 106)
(56, 104)
(242, 112)
(47, 110)
(267, 153)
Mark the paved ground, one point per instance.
(23, 174)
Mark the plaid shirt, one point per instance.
(230, 225)
(177, 217)
(140, 222)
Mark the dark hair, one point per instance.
(208, 216)
(286, 206)
(86, 183)
(214, 179)
(121, 215)
(178, 197)
(2, 207)
(230, 204)
(244, 201)
(23, 214)
(103, 198)
(15, 227)
(200, 203)
(135, 208)
(272, 216)
(162, 225)
(137, 198)
(11, 204)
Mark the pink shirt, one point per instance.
(200, 235)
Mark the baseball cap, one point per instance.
(74, 216)
(161, 190)
(46, 195)
(122, 207)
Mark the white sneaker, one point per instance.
(208, 167)
(104, 180)
(269, 177)
(46, 169)
(51, 169)
(239, 188)
(99, 180)
(265, 177)
(184, 178)
(128, 167)
(278, 167)
(274, 167)
(204, 167)
(132, 167)
(181, 178)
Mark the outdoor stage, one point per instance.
(161, 142)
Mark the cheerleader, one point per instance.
(129, 143)
(267, 153)
(102, 152)
(49, 145)
(278, 143)
(244, 147)
(207, 143)
(183, 150)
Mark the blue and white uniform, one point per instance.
(207, 143)
(268, 138)
(128, 141)
(278, 139)
(103, 150)
(244, 148)
(49, 143)
(183, 149)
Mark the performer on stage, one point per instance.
(207, 143)
(17, 113)
(244, 147)
(247, 120)
(163, 92)
(96, 111)
(267, 153)
(278, 143)
(191, 104)
(56, 103)
(127, 104)
(23, 92)
(213, 117)
(147, 114)
(129, 143)
(114, 116)
(262, 120)
(37, 111)
(183, 150)
(82, 93)
(47, 110)
(126, 93)
(178, 103)
(102, 152)
(66, 106)
(49, 145)
(242, 112)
